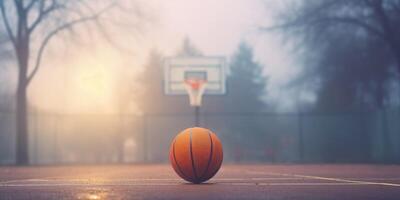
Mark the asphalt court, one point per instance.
(232, 182)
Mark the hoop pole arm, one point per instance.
(197, 116)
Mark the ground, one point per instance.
(280, 182)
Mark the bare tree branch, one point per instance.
(357, 22)
(43, 12)
(30, 5)
(57, 30)
(6, 22)
(343, 20)
(396, 6)
(383, 19)
(279, 27)
(21, 30)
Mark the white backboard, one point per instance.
(177, 69)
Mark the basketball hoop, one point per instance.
(195, 89)
(192, 75)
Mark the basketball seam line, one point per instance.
(209, 157)
(219, 164)
(176, 162)
(191, 155)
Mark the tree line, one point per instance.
(351, 50)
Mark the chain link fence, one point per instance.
(246, 137)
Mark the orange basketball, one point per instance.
(196, 154)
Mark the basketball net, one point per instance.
(195, 89)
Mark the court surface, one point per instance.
(283, 182)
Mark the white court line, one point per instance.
(327, 178)
(23, 180)
(103, 180)
(238, 184)
(172, 184)
(379, 179)
(85, 185)
(137, 182)
(289, 184)
(310, 184)
(278, 178)
(90, 180)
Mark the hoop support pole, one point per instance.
(197, 116)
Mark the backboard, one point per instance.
(177, 70)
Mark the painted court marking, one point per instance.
(251, 181)
(354, 182)
(142, 179)
(85, 184)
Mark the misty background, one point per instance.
(307, 81)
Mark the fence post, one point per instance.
(35, 136)
(121, 138)
(144, 121)
(386, 137)
(55, 138)
(300, 131)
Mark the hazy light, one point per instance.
(92, 196)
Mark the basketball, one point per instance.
(196, 154)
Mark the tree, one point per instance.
(347, 37)
(246, 83)
(245, 91)
(22, 19)
(376, 18)
(188, 49)
(353, 74)
(151, 81)
(352, 47)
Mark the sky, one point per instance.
(215, 27)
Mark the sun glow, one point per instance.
(88, 80)
(91, 86)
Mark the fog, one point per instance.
(97, 96)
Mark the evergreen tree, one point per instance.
(152, 99)
(246, 89)
(246, 83)
(151, 84)
(188, 49)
